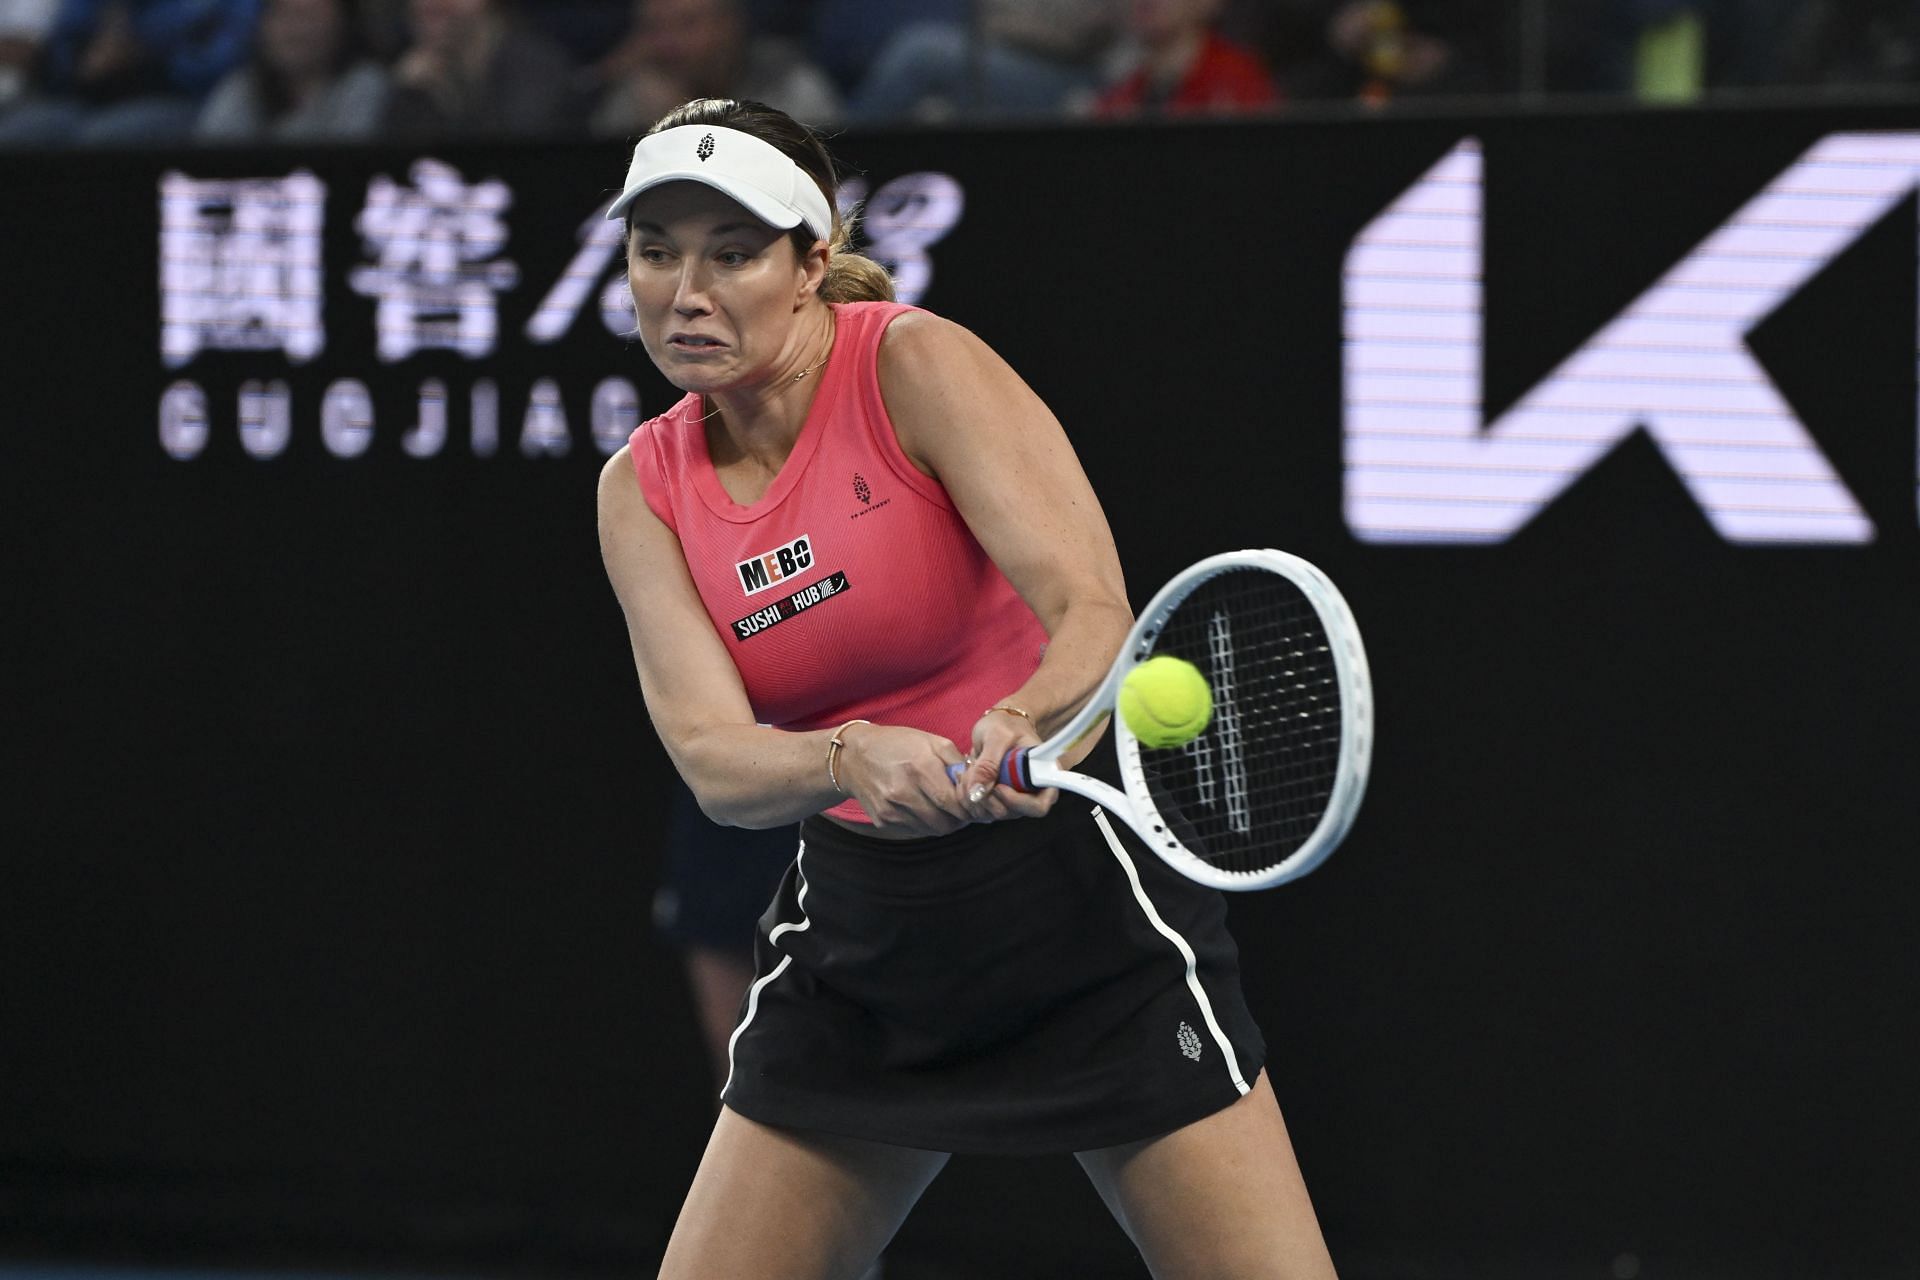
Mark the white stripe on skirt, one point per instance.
(753, 993)
(1167, 931)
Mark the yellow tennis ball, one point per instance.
(1165, 701)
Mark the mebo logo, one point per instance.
(1423, 463)
(770, 568)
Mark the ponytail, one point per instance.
(853, 277)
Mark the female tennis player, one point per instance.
(861, 550)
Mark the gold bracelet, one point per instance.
(1012, 711)
(833, 753)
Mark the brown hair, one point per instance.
(851, 277)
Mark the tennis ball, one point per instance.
(1165, 701)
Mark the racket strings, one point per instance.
(1249, 792)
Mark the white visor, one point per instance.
(757, 174)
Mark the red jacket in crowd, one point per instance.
(1225, 78)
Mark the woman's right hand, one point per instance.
(900, 777)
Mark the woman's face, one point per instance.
(301, 37)
(718, 293)
(691, 38)
(439, 23)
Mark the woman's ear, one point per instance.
(813, 272)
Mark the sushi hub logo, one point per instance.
(789, 606)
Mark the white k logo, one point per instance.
(1420, 465)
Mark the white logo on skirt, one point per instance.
(1189, 1042)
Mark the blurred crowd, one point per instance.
(130, 72)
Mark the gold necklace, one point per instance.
(796, 377)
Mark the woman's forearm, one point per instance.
(1080, 649)
(757, 777)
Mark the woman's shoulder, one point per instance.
(628, 500)
(914, 336)
(867, 328)
(618, 463)
(927, 365)
(879, 309)
(619, 487)
(657, 450)
(665, 433)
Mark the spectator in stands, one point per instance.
(1851, 43)
(1646, 48)
(475, 70)
(1675, 50)
(383, 24)
(1030, 58)
(788, 19)
(1185, 67)
(845, 36)
(309, 78)
(129, 72)
(1378, 50)
(23, 26)
(679, 50)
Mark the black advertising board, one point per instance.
(336, 810)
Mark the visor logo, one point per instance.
(705, 148)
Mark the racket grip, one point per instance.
(1013, 771)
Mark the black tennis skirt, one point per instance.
(1023, 987)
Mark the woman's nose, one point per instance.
(690, 292)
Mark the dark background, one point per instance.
(333, 813)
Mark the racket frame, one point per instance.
(1135, 805)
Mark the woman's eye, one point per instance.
(652, 255)
(734, 258)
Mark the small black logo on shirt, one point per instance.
(780, 610)
(864, 491)
(705, 148)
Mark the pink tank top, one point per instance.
(852, 588)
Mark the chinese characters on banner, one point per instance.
(242, 269)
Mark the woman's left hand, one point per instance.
(996, 735)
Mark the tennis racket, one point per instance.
(1268, 790)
